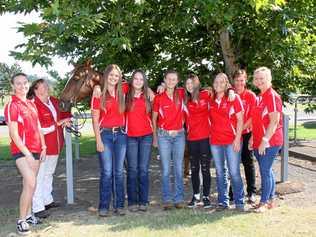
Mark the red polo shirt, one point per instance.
(197, 117)
(138, 121)
(170, 112)
(268, 102)
(223, 120)
(25, 114)
(110, 116)
(248, 99)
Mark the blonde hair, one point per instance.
(227, 86)
(266, 71)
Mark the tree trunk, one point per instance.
(228, 52)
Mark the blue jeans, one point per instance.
(111, 168)
(266, 172)
(138, 158)
(223, 154)
(171, 148)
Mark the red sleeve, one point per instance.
(181, 92)
(64, 115)
(11, 112)
(156, 104)
(238, 105)
(252, 101)
(95, 103)
(274, 103)
(125, 87)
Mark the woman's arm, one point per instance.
(154, 121)
(44, 148)
(239, 129)
(274, 121)
(96, 128)
(14, 134)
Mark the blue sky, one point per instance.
(10, 38)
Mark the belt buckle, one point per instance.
(115, 129)
(173, 133)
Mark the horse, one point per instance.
(79, 86)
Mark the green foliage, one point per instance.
(176, 34)
(6, 72)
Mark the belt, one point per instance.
(114, 129)
(171, 132)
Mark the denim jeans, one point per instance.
(266, 172)
(111, 168)
(138, 159)
(171, 148)
(223, 154)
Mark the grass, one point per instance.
(282, 221)
(306, 131)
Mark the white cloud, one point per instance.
(10, 38)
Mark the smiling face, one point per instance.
(138, 81)
(42, 90)
(189, 85)
(20, 85)
(262, 80)
(171, 80)
(220, 83)
(240, 82)
(113, 77)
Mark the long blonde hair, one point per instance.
(227, 83)
(118, 91)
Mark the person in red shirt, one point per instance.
(108, 120)
(52, 121)
(226, 119)
(168, 120)
(139, 141)
(248, 99)
(198, 126)
(27, 146)
(267, 134)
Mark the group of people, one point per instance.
(224, 123)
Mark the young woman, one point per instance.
(267, 135)
(226, 128)
(109, 127)
(198, 126)
(168, 119)
(27, 146)
(248, 99)
(139, 141)
(52, 121)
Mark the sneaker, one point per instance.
(221, 207)
(52, 205)
(120, 212)
(143, 208)
(133, 208)
(240, 209)
(206, 202)
(179, 205)
(33, 220)
(194, 202)
(271, 204)
(167, 206)
(23, 228)
(262, 207)
(104, 213)
(41, 214)
(251, 199)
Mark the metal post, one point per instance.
(77, 148)
(295, 121)
(69, 169)
(285, 149)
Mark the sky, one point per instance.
(10, 38)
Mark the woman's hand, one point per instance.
(161, 88)
(236, 145)
(43, 154)
(97, 91)
(155, 141)
(231, 95)
(262, 148)
(100, 146)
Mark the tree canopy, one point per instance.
(201, 36)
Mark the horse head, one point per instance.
(79, 86)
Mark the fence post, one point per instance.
(69, 169)
(295, 121)
(285, 149)
(77, 148)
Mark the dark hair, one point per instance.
(175, 93)
(239, 72)
(17, 75)
(33, 87)
(131, 92)
(118, 90)
(194, 96)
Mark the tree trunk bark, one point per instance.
(228, 52)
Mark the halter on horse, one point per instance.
(79, 86)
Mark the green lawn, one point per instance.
(306, 131)
(282, 221)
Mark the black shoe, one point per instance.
(42, 214)
(23, 228)
(206, 202)
(104, 213)
(194, 202)
(33, 220)
(120, 212)
(52, 205)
